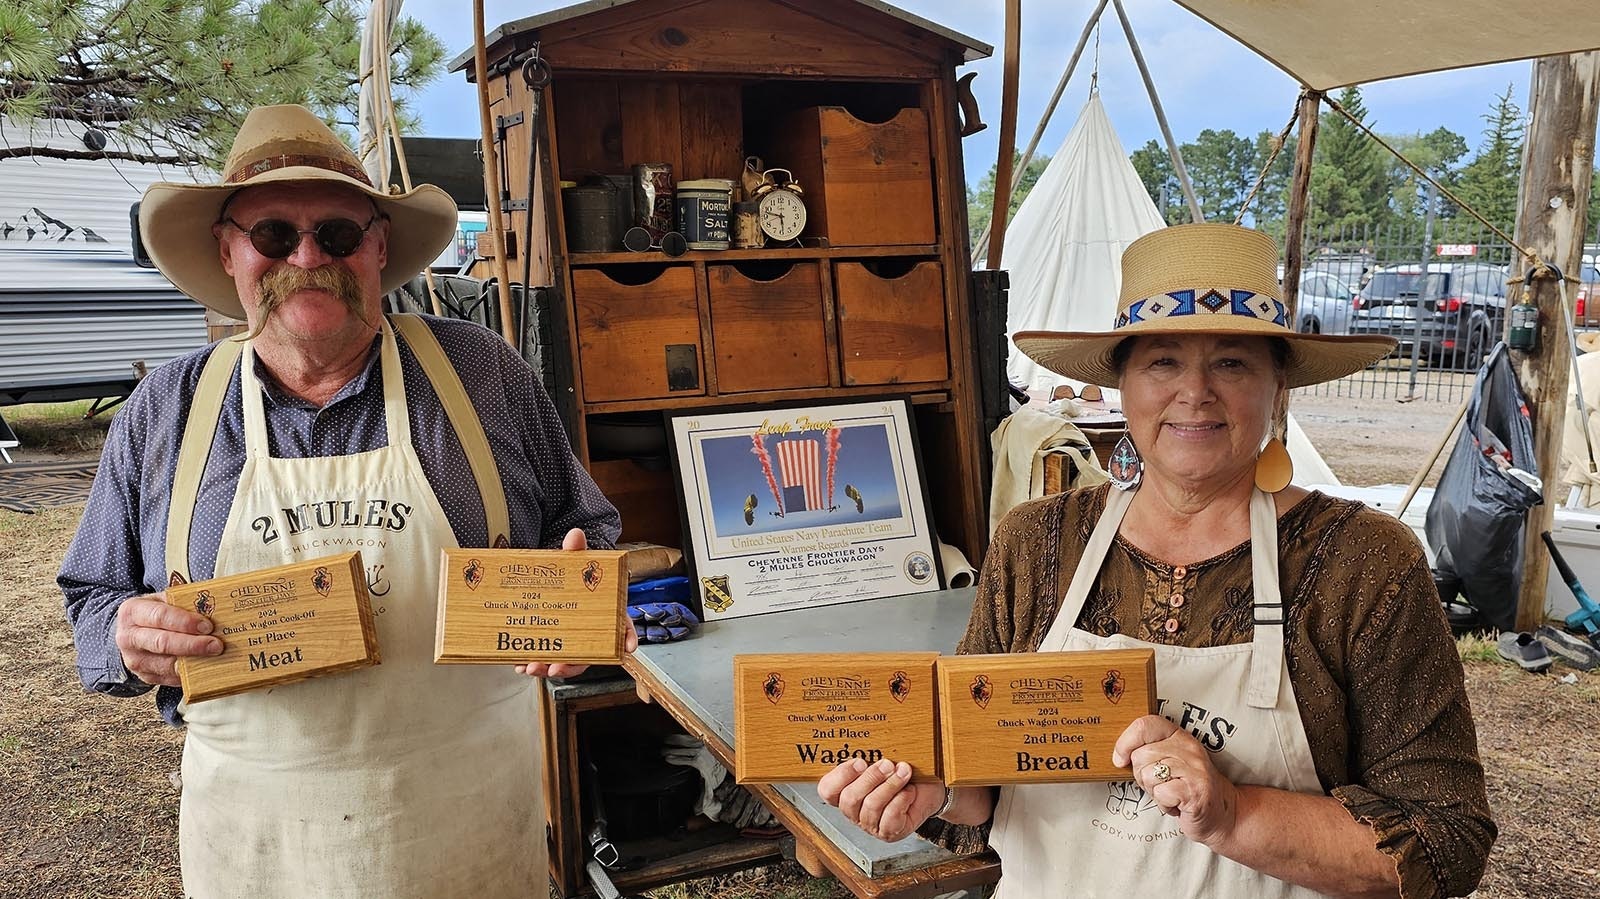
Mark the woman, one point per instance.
(1314, 735)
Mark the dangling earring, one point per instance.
(1274, 468)
(1126, 467)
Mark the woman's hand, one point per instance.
(1176, 771)
(577, 541)
(880, 798)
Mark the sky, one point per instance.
(1205, 78)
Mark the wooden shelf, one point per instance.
(921, 394)
(735, 853)
(656, 257)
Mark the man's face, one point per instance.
(311, 296)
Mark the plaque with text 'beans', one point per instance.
(512, 606)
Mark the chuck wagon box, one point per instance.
(858, 100)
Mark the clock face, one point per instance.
(783, 215)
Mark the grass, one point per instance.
(58, 428)
(1478, 648)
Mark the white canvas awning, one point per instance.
(1327, 45)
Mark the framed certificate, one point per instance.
(789, 507)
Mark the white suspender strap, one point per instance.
(469, 429)
(199, 432)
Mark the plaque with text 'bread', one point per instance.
(279, 625)
(798, 715)
(1044, 717)
(513, 606)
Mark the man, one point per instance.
(405, 779)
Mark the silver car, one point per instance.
(1325, 304)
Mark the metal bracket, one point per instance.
(501, 123)
(515, 204)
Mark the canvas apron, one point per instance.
(402, 780)
(1105, 840)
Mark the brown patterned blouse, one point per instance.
(1374, 668)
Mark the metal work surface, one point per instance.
(699, 672)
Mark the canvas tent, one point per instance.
(1065, 253)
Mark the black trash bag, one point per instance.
(1476, 520)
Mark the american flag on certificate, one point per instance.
(800, 466)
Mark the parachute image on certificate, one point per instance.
(802, 506)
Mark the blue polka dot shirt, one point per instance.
(119, 550)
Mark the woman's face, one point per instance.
(1199, 406)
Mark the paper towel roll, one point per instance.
(958, 572)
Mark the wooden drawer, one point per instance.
(865, 184)
(767, 326)
(891, 328)
(640, 339)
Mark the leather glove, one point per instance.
(682, 749)
(662, 622)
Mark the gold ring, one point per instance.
(1161, 771)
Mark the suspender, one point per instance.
(194, 449)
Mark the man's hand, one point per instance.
(577, 541)
(152, 636)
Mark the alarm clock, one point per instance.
(780, 209)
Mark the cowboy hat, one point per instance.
(1201, 279)
(277, 145)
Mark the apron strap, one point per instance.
(1266, 656)
(1083, 577)
(194, 449)
(464, 418)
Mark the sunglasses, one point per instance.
(278, 239)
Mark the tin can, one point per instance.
(591, 218)
(747, 226)
(703, 208)
(652, 198)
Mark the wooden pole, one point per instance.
(1294, 232)
(1008, 133)
(1557, 164)
(1044, 120)
(491, 177)
(1161, 117)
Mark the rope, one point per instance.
(1277, 147)
(1094, 74)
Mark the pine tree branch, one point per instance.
(57, 153)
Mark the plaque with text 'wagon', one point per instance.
(1045, 717)
(279, 625)
(798, 715)
(512, 606)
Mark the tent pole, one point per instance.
(1557, 160)
(1008, 131)
(1294, 233)
(491, 177)
(1049, 112)
(1161, 117)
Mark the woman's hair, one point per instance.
(1277, 346)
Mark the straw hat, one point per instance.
(1201, 279)
(276, 145)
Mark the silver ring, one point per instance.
(1161, 771)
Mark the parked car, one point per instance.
(1325, 304)
(1586, 298)
(1453, 315)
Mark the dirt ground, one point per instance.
(89, 807)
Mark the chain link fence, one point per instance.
(1439, 290)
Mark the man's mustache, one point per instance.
(283, 281)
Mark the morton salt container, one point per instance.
(703, 208)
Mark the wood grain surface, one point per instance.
(1046, 717)
(280, 625)
(798, 715)
(510, 606)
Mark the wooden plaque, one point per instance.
(798, 715)
(1048, 717)
(280, 625)
(510, 606)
